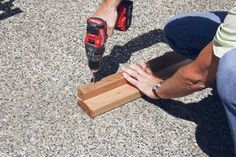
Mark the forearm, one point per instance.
(180, 84)
(112, 3)
(193, 77)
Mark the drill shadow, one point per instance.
(6, 10)
(121, 54)
(212, 133)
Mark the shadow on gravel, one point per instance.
(121, 54)
(212, 133)
(6, 9)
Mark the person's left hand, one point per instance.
(141, 76)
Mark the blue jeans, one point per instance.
(188, 34)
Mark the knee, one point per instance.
(192, 23)
(175, 26)
(170, 29)
(178, 35)
(226, 77)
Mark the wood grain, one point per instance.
(93, 89)
(122, 94)
(109, 100)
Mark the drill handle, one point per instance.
(95, 40)
(96, 32)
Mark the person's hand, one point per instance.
(109, 14)
(141, 76)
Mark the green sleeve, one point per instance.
(225, 38)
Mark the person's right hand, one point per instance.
(109, 14)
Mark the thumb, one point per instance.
(110, 31)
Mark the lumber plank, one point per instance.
(109, 100)
(108, 83)
(120, 95)
(93, 89)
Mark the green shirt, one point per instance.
(225, 38)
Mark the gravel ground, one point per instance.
(43, 62)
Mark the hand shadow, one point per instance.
(121, 54)
(212, 133)
(7, 11)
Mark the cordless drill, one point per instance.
(96, 36)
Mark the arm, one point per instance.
(108, 12)
(112, 3)
(193, 77)
(188, 79)
(202, 71)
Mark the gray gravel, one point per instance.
(43, 62)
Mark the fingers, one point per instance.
(138, 69)
(131, 72)
(144, 66)
(130, 79)
(136, 76)
(135, 71)
(110, 31)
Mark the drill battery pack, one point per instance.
(124, 18)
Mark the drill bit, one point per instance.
(94, 72)
(93, 79)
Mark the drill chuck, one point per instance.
(94, 56)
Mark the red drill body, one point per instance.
(95, 40)
(96, 32)
(96, 36)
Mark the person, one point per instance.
(207, 38)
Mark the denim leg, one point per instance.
(226, 86)
(189, 33)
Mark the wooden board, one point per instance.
(113, 81)
(106, 84)
(120, 95)
(109, 100)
